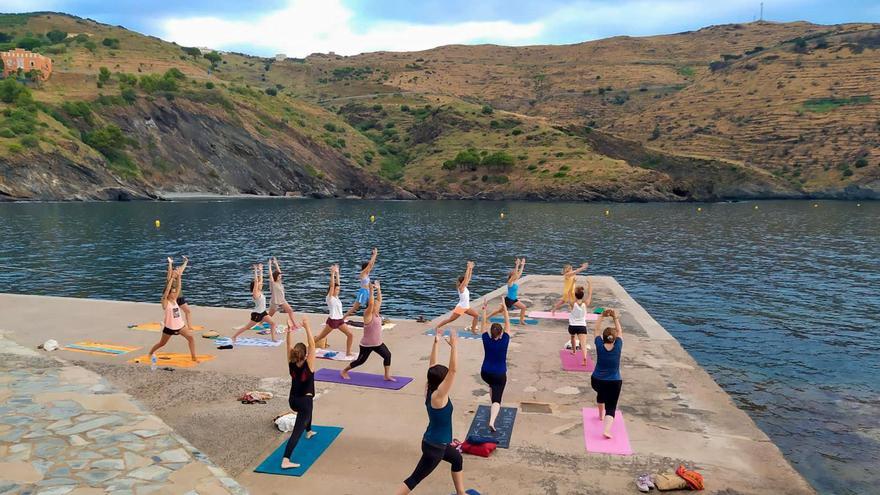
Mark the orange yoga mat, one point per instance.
(155, 326)
(173, 359)
(101, 348)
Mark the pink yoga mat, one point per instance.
(575, 362)
(560, 315)
(597, 443)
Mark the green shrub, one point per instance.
(213, 57)
(78, 109)
(56, 36)
(129, 95)
(192, 51)
(487, 110)
(103, 75)
(391, 167)
(29, 43)
(109, 141)
(30, 141)
(271, 91)
(559, 175)
(90, 46)
(564, 168)
(516, 132)
(127, 79)
(330, 126)
(404, 108)
(111, 43)
(209, 85)
(847, 172)
(7, 133)
(499, 161)
(15, 148)
(532, 167)
(861, 163)
(11, 91)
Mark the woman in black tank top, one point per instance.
(301, 364)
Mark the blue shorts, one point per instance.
(363, 296)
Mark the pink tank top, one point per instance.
(173, 318)
(372, 332)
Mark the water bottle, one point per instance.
(153, 362)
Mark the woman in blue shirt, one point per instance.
(511, 300)
(436, 442)
(494, 371)
(606, 380)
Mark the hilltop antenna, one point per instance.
(762, 12)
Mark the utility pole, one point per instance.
(762, 11)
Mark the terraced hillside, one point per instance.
(735, 111)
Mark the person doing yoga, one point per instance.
(276, 289)
(372, 339)
(181, 301)
(464, 300)
(577, 321)
(569, 278)
(301, 365)
(363, 293)
(259, 314)
(606, 380)
(334, 305)
(174, 322)
(511, 300)
(494, 370)
(436, 442)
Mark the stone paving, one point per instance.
(65, 430)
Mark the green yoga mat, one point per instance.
(307, 451)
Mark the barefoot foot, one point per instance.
(286, 464)
(310, 434)
(390, 379)
(344, 375)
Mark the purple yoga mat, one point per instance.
(575, 362)
(361, 379)
(559, 315)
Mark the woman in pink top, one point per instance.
(174, 323)
(372, 339)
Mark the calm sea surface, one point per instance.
(781, 304)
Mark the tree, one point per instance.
(12, 91)
(128, 94)
(56, 36)
(487, 109)
(499, 161)
(191, 51)
(103, 75)
(109, 140)
(271, 91)
(213, 57)
(90, 46)
(110, 43)
(6, 38)
(29, 43)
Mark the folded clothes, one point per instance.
(478, 440)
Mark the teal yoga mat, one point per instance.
(306, 452)
(514, 320)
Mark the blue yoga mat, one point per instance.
(514, 320)
(305, 454)
(462, 333)
(503, 425)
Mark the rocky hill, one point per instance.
(735, 111)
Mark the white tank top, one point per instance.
(260, 304)
(335, 307)
(578, 316)
(464, 298)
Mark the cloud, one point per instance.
(309, 26)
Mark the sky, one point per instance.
(300, 27)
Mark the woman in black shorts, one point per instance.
(496, 339)
(173, 322)
(181, 301)
(577, 323)
(259, 314)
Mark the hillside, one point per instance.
(785, 110)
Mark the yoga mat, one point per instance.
(514, 320)
(155, 326)
(462, 334)
(99, 348)
(360, 324)
(597, 443)
(560, 315)
(172, 359)
(503, 423)
(361, 379)
(333, 355)
(248, 341)
(307, 451)
(575, 362)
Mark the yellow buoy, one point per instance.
(756, 207)
(815, 205)
(158, 224)
(502, 214)
(699, 208)
(607, 212)
(372, 218)
(859, 205)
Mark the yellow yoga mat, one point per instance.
(155, 326)
(172, 359)
(101, 348)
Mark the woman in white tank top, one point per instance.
(276, 288)
(577, 322)
(336, 320)
(464, 300)
(259, 314)
(174, 321)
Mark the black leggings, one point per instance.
(607, 392)
(303, 408)
(381, 350)
(432, 454)
(496, 382)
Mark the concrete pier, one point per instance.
(675, 413)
